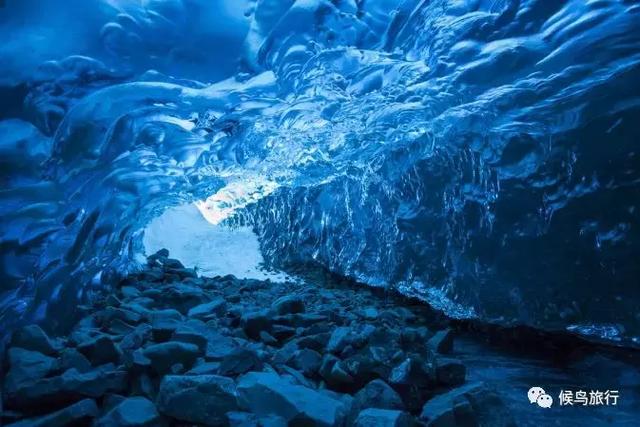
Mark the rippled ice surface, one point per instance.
(479, 154)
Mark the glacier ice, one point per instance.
(479, 154)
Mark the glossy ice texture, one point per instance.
(481, 154)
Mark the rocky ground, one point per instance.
(169, 348)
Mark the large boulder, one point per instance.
(26, 366)
(100, 350)
(131, 412)
(471, 404)
(164, 355)
(211, 309)
(72, 386)
(377, 394)
(288, 305)
(33, 338)
(80, 413)
(266, 393)
(201, 399)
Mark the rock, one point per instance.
(100, 350)
(131, 412)
(377, 394)
(450, 372)
(240, 361)
(26, 366)
(299, 320)
(191, 336)
(136, 361)
(136, 338)
(167, 354)
(180, 296)
(411, 371)
(129, 292)
(72, 386)
(266, 393)
(306, 361)
(471, 404)
(201, 399)
(219, 346)
(334, 373)
(255, 322)
(282, 333)
(33, 338)
(340, 338)
(164, 323)
(316, 342)
(72, 358)
(289, 304)
(207, 368)
(110, 314)
(80, 413)
(370, 313)
(374, 417)
(266, 338)
(441, 342)
(217, 307)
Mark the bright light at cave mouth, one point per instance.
(214, 249)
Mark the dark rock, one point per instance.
(129, 292)
(191, 336)
(136, 338)
(255, 322)
(51, 393)
(340, 338)
(441, 342)
(33, 338)
(110, 401)
(72, 358)
(316, 342)
(240, 361)
(201, 399)
(374, 417)
(131, 412)
(450, 372)
(215, 308)
(282, 333)
(26, 366)
(289, 304)
(142, 385)
(266, 338)
(412, 371)
(164, 355)
(299, 320)
(471, 404)
(180, 296)
(80, 413)
(219, 346)
(266, 393)
(295, 376)
(110, 314)
(100, 350)
(207, 368)
(136, 361)
(164, 323)
(370, 313)
(334, 373)
(377, 394)
(307, 361)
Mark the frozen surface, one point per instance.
(480, 154)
